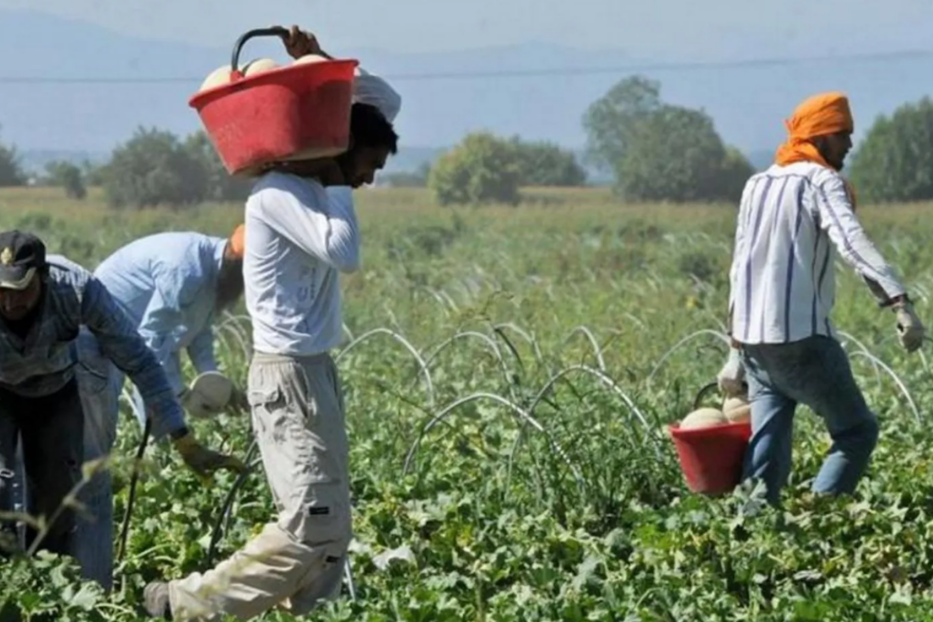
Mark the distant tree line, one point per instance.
(655, 152)
(153, 167)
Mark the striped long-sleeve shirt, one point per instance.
(792, 221)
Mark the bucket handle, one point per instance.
(703, 392)
(274, 31)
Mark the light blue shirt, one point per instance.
(167, 284)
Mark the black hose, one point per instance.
(218, 532)
(128, 513)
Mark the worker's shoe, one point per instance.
(155, 598)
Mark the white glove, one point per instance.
(209, 394)
(731, 378)
(910, 330)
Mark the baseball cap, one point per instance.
(21, 256)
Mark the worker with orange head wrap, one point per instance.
(793, 219)
(172, 286)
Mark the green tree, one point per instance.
(219, 184)
(154, 168)
(610, 121)
(659, 151)
(68, 176)
(543, 163)
(736, 169)
(895, 160)
(93, 173)
(481, 169)
(11, 170)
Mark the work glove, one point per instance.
(203, 461)
(910, 330)
(731, 378)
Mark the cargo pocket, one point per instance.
(263, 404)
(326, 519)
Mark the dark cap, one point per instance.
(21, 256)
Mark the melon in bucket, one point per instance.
(737, 410)
(703, 418)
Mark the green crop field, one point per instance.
(509, 373)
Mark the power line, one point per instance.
(519, 73)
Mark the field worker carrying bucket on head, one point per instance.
(44, 302)
(172, 286)
(301, 233)
(793, 219)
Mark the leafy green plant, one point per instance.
(508, 377)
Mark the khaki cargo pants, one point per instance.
(298, 419)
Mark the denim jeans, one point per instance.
(49, 429)
(101, 383)
(814, 371)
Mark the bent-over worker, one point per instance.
(172, 286)
(43, 304)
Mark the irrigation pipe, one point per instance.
(515, 409)
(429, 384)
(700, 333)
(586, 332)
(897, 381)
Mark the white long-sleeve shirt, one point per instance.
(299, 237)
(792, 221)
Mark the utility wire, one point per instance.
(518, 73)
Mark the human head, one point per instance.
(372, 141)
(824, 120)
(230, 277)
(22, 270)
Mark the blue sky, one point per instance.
(661, 29)
(404, 37)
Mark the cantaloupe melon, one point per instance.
(737, 410)
(221, 75)
(309, 58)
(257, 65)
(218, 77)
(703, 418)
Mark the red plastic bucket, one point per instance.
(277, 113)
(711, 458)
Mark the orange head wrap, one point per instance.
(819, 115)
(827, 113)
(237, 241)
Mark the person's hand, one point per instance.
(203, 461)
(731, 378)
(910, 330)
(300, 43)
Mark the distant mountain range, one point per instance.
(542, 92)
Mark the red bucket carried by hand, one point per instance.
(270, 116)
(711, 458)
